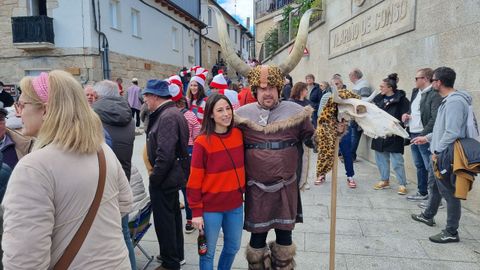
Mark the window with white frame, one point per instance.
(115, 14)
(209, 17)
(135, 16)
(236, 39)
(175, 40)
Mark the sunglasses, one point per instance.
(418, 78)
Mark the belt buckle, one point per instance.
(274, 145)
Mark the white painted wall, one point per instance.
(74, 28)
(72, 24)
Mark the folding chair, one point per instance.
(138, 226)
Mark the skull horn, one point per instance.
(230, 56)
(299, 45)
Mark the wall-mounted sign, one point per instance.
(382, 21)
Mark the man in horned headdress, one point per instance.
(273, 131)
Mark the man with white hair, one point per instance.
(362, 88)
(116, 117)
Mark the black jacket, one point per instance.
(167, 143)
(116, 117)
(428, 108)
(395, 105)
(315, 96)
(6, 99)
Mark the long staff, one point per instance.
(333, 206)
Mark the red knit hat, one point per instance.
(219, 81)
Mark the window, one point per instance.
(236, 39)
(175, 39)
(209, 17)
(228, 29)
(135, 22)
(36, 7)
(115, 14)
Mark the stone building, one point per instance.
(99, 39)
(385, 36)
(240, 37)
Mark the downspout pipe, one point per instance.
(104, 41)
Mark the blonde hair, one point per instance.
(28, 92)
(69, 122)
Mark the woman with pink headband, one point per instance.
(52, 188)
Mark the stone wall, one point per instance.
(445, 33)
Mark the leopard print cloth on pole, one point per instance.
(326, 133)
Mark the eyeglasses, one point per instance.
(418, 78)
(20, 105)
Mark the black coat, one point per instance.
(167, 142)
(395, 105)
(117, 120)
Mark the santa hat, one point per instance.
(176, 80)
(175, 91)
(219, 81)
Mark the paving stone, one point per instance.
(462, 251)
(355, 262)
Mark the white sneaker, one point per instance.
(306, 186)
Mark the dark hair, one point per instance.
(297, 90)
(208, 123)
(235, 87)
(310, 76)
(446, 75)
(393, 77)
(1, 83)
(200, 95)
(391, 81)
(181, 103)
(290, 79)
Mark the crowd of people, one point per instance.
(228, 148)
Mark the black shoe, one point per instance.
(421, 218)
(444, 237)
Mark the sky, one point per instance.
(243, 9)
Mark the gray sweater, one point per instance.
(451, 122)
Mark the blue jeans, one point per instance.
(346, 151)
(356, 135)
(231, 223)
(128, 241)
(421, 158)
(383, 164)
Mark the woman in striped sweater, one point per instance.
(196, 99)
(217, 182)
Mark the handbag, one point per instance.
(79, 237)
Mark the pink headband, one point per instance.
(40, 85)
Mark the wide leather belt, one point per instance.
(272, 145)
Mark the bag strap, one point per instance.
(79, 237)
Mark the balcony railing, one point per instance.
(33, 32)
(264, 7)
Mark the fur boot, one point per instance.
(258, 258)
(282, 256)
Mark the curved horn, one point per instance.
(299, 45)
(230, 56)
(372, 96)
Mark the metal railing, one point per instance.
(264, 7)
(29, 29)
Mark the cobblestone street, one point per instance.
(374, 229)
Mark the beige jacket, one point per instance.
(47, 198)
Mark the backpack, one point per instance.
(472, 125)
